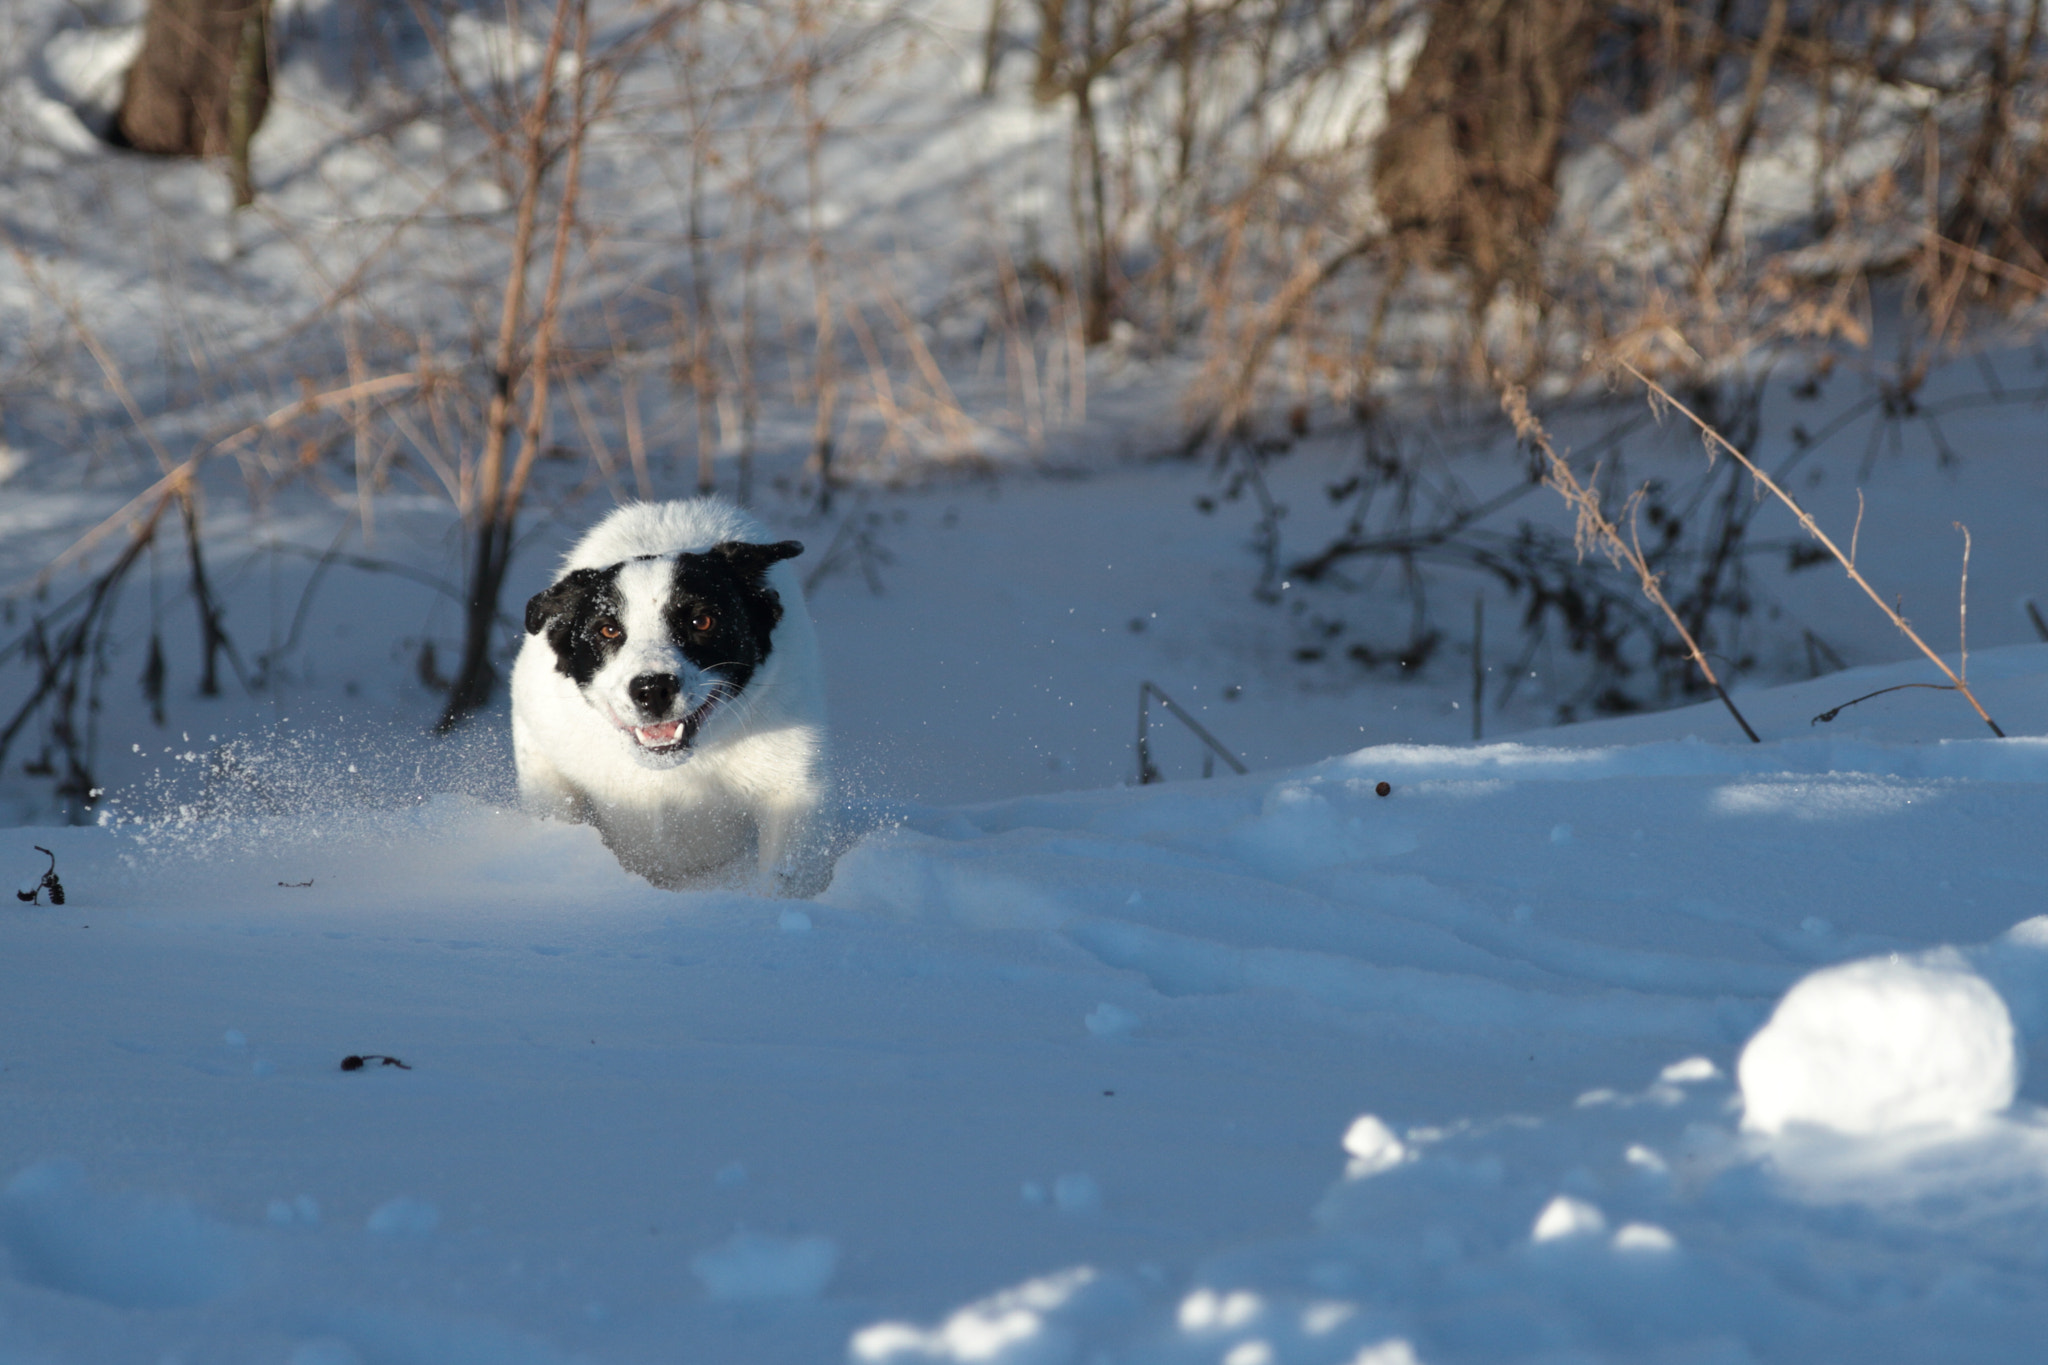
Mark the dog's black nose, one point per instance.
(654, 693)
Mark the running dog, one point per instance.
(669, 693)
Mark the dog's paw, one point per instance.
(800, 883)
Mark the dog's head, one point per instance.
(660, 643)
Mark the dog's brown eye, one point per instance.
(704, 622)
(610, 630)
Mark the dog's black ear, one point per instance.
(561, 599)
(753, 560)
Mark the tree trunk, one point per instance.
(201, 83)
(1473, 137)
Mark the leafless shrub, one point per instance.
(1409, 514)
(1331, 205)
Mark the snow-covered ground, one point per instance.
(1626, 1041)
(1269, 1068)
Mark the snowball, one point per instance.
(753, 1265)
(1372, 1147)
(1880, 1045)
(1565, 1216)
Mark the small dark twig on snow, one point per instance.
(48, 883)
(1824, 717)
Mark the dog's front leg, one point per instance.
(543, 790)
(789, 864)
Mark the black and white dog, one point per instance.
(669, 694)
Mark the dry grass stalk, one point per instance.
(959, 431)
(498, 492)
(1660, 395)
(176, 479)
(1594, 528)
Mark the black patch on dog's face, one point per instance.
(722, 613)
(581, 617)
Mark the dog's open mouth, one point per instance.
(672, 736)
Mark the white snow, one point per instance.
(1372, 1147)
(1109, 1021)
(1628, 1041)
(1644, 1237)
(1565, 1217)
(1077, 1192)
(757, 1265)
(404, 1216)
(84, 68)
(1369, 1108)
(122, 1250)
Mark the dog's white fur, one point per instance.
(750, 786)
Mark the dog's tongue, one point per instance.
(664, 733)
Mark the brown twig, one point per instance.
(1662, 395)
(178, 476)
(1594, 526)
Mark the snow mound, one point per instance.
(1882, 1045)
(754, 1265)
(126, 1251)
